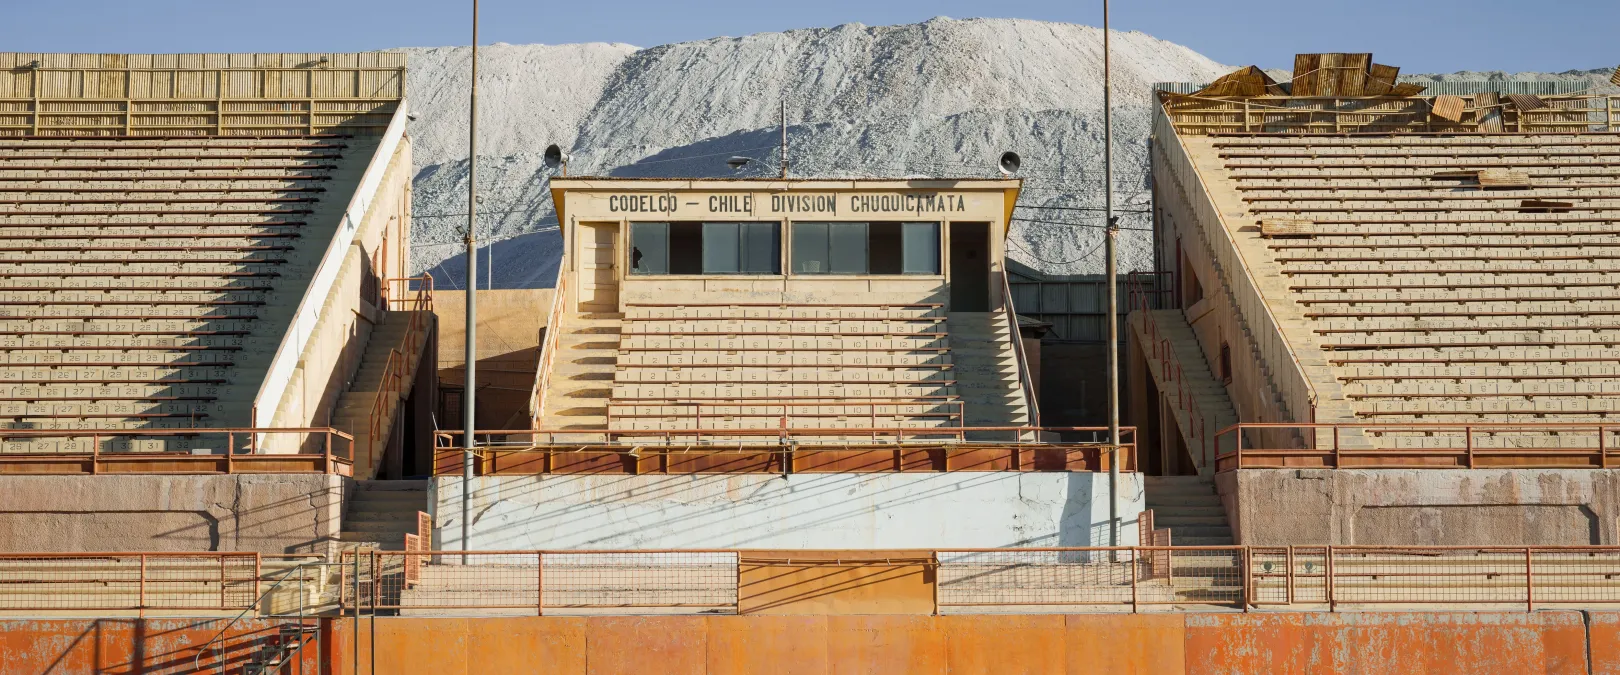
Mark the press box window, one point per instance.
(705, 248)
(866, 248)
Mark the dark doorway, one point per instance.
(970, 267)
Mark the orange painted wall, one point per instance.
(132, 646)
(836, 582)
(1417, 642)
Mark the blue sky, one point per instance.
(1418, 35)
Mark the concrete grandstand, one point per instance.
(201, 289)
(1387, 283)
(790, 424)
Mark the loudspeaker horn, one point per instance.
(1010, 162)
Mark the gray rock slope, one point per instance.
(939, 98)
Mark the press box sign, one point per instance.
(853, 205)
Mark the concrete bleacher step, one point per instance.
(380, 513)
(582, 371)
(355, 407)
(1190, 508)
(238, 250)
(985, 366)
(1194, 379)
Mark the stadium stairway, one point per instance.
(355, 407)
(986, 368)
(1191, 379)
(582, 372)
(1190, 508)
(381, 512)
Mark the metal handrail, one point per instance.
(196, 660)
(332, 456)
(1161, 350)
(1468, 453)
(447, 436)
(1249, 576)
(393, 378)
(1018, 349)
(542, 384)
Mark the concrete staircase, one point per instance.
(1186, 373)
(985, 366)
(582, 372)
(1190, 508)
(354, 408)
(381, 512)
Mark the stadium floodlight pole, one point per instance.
(1111, 243)
(469, 393)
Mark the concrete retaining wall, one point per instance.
(822, 511)
(1561, 643)
(292, 513)
(1504, 507)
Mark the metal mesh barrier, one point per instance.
(540, 582)
(135, 581)
(1431, 577)
(706, 580)
(1581, 576)
(1034, 578)
(1031, 579)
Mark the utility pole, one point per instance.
(784, 137)
(469, 392)
(1113, 295)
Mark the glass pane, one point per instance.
(720, 248)
(761, 250)
(921, 244)
(810, 248)
(883, 249)
(846, 246)
(649, 248)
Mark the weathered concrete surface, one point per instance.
(290, 513)
(1409, 642)
(1424, 507)
(509, 325)
(820, 511)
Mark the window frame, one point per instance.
(702, 251)
(940, 227)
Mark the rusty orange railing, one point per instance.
(1159, 349)
(783, 413)
(782, 449)
(548, 348)
(129, 581)
(232, 450)
(419, 302)
(1025, 382)
(1001, 580)
(418, 541)
(1459, 446)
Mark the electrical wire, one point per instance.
(1072, 224)
(509, 235)
(717, 154)
(1078, 208)
(1037, 258)
(483, 212)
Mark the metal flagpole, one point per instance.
(470, 390)
(1113, 296)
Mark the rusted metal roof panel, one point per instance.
(1448, 108)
